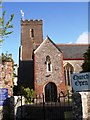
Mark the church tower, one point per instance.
(31, 35)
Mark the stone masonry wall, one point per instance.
(6, 72)
(42, 77)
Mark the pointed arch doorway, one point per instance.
(50, 92)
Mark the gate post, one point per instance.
(82, 107)
(77, 106)
(85, 105)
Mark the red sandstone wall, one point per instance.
(6, 71)
(27, 42)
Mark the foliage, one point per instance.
(6, 57)
(4, 27)
(86, 64)
(28, 94)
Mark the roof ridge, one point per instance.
(73, 44)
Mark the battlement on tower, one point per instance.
(31, 35)
(24, 22)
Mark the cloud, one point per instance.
(70, 42)
(83, 38)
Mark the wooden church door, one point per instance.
(50, 92)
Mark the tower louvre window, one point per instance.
(31, 33)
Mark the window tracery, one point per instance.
(68, 70)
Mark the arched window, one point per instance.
(48, 62)
(31, 33)
(68, 70)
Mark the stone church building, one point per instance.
(45, 66)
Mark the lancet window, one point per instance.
(49, 65)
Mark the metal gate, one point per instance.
(45, 110)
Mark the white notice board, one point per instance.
(81, 81)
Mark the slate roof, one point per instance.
(73, 51)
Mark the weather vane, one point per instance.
(22, 13)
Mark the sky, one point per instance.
(46, 0)
(63, 22)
